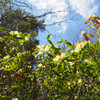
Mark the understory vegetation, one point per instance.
(67, 72)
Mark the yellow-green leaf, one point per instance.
(92, 26)
(98, 31)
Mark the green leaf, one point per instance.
(50, 43)
(98, 31)
(82, 54)
(32, 39)
(96, 43)
(63, 40)
(68, 43)
(74, 69)
(56, 50)
(48, 37)
(14, 86)
(50, 55)
(91, 44)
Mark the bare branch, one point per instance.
(79, 90)
(24, 4)
(51, 12)
(64, 20)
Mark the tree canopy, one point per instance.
(18, 20)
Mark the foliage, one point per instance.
(70, 74)
(21, 21)
(17, 77)
(16, 19)
(67, 72)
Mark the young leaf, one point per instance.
(90, 35)
(87, 21)
(98, 31)
(77, 43)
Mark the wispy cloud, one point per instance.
(54, 6)
(84, 7)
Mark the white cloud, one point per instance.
(44, 4)
(84, 7)
(54, 6)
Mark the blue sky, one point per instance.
(70, 30)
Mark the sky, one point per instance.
(71, 13)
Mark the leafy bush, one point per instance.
(67, 72)
(16, 67)
(73, 73)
